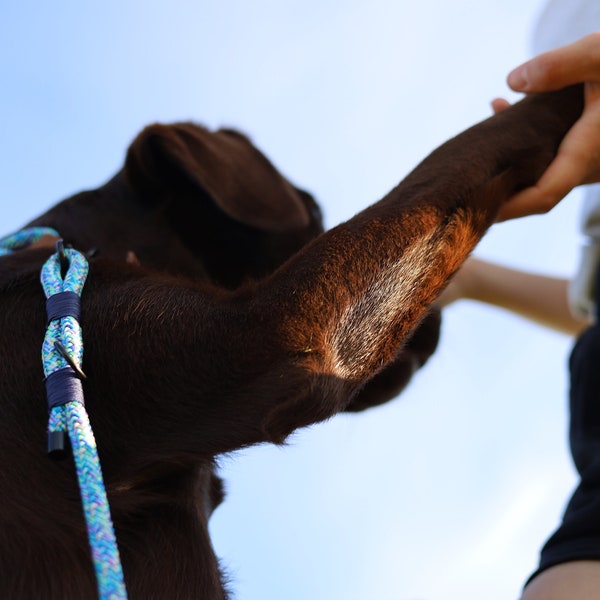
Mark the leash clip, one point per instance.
(65, 354)
(62, 257)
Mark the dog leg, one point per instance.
(297, 347)
(349, 300)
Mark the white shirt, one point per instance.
(560, 23)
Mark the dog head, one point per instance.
(193, 202)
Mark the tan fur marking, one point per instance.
(394, 291)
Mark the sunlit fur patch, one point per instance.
(395, 295)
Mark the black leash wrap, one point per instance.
(63, 386)
(63, 304)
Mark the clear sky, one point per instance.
(445, 493)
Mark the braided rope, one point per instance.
(23, 238)
(72, 417)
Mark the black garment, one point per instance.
(578, 537)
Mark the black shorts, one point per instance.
(578, 537)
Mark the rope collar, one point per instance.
(63, 277)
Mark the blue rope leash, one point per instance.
(24, 238)
(62, 353)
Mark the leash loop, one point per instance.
(63, 277)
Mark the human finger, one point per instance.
(577, 162)
(560, 178)
(575, 63)
(499, 104)
(570, 168)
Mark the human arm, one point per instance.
(578, 158)
(571, 580)
(536, 297)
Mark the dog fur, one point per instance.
(217, 315)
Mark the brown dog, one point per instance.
(218, 315)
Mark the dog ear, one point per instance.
(223, 164)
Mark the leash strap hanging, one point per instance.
(62, 277)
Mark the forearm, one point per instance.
(539, 298)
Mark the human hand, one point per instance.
(578, 159)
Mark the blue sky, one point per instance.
(446, 493)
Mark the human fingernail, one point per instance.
(517, 79)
